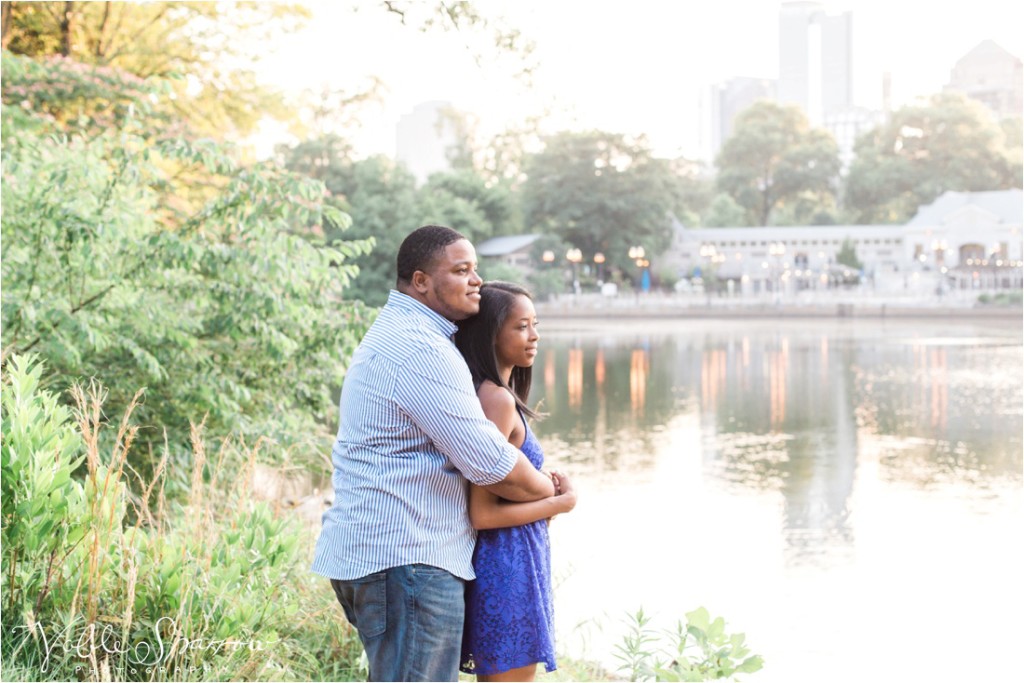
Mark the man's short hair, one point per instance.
(422, 248)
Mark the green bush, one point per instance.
(97, 584)
(700, 650)
(1014, 298)
(546, 283)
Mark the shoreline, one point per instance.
(668, 309)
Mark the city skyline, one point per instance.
(648, 70)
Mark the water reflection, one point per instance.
(575, 376)
(791, 410)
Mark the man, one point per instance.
(397, 543)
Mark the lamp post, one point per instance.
(707, 255)
(777, 249)
(637, 254)
(599, 263)
(574, 256)
(939, 248)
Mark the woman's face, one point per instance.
(516, 342)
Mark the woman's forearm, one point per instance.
(499, 514)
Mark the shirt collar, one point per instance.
(407, 303)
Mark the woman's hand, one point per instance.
(555, 481)
(565, 492)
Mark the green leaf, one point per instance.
(751, 664)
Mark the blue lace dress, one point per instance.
(509, 611)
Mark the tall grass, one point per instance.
(107, 578)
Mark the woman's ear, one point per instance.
(420, 281)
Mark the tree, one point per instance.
(601, 192)
(807, 208)
(385, 205)
(183, 41)
(773, 157)
(382, 199)
(498, 39)
(493, 203)
(1013, 144)
(503, 158)
(724, 212)
(847, 255)
(233, 310)
(947, 142)
(694, 190)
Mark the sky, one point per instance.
(642, 67)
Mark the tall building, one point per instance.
(816, 72)
(815, 62)
(846, 125)
(730, 98)
(424, 138)
(991, 75)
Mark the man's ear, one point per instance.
(420, 282)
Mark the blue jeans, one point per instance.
(409, 619)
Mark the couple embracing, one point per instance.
(437, 542)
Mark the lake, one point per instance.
(848, 493)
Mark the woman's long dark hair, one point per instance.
(476, 337)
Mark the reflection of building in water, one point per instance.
(575, 378)
(549, 372)
(932, 397)
(819, 484)
(601, 416)
(603, 407)
(638, 369)
(940, 388)
(712, 378)
(778, 366)
(780, 417)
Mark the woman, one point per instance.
(509, 616)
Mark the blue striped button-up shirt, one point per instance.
(411, 432)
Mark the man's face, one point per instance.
(452, 287)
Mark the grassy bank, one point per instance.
(107, 577)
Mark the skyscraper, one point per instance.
(991, 75)
(424, 137)
(730, 98)
(815, 63)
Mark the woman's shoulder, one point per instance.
(495, 396)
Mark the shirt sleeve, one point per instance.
(436, 391)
